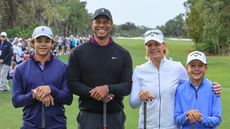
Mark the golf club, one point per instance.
(104, 114)
(145, 114)
(43, 117)
(192, 126)
(43, 124)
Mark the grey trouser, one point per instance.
(4, 69)
(88, 120)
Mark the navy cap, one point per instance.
(102, 12)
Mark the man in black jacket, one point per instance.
(6, 54)
(100, 73)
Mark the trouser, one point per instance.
(42, 128)
(27, 127)
(89, 120)
(4, 69)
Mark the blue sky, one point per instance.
(149, 13)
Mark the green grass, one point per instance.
(178, 50)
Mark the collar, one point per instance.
(201, 84)
(93, 40)
(38, 62)
(163, 60)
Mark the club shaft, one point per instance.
(192, 126)
(43, 117)
(145, 114)
(104, 115)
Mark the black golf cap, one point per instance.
(102, 12)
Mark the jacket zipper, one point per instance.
(196, 91)
(196, 95)
(43, 124)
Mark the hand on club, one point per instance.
(42, 93)
(108, 98)
(99, 92)
(48, 100)
(193, 116)
(146, 96)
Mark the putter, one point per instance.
(145, 114)
(104, 115)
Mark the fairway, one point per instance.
(178, 50)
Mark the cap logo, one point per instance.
(43, 29)
(196, 54)
(102, 10)
(152, 34)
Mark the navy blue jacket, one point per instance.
(28, 76)
(7, 52)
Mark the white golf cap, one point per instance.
(4, 34)
(42, 31)
(196, 55)
(154, 34)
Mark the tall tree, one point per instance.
(78, 18)
(194, 19)
(16, 16)
(208, 24)
(19, 17)
(174, 27)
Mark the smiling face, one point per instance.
(42, 46)
(196, 70)
(155, 50)
(101, 27)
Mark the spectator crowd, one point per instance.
(22, 50)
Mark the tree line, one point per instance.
(208, 24)
(19, 17)
(205, 21)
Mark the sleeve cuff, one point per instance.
(53, 90)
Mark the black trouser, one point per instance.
(88, 120)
